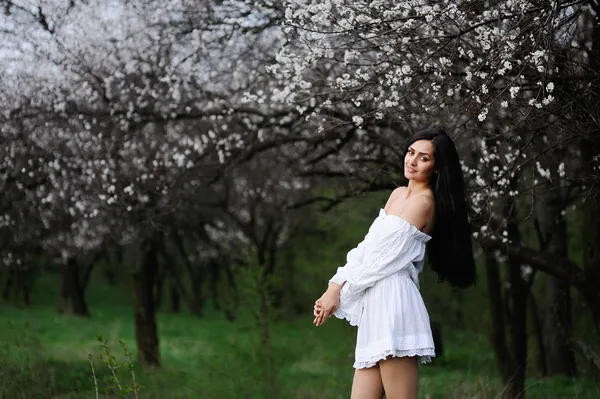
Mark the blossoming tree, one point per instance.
(515, 82)
(121, 117)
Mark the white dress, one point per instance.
(381, 295)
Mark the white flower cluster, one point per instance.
(437, 53)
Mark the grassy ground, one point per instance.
(45, 355)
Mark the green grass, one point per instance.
(45, 355)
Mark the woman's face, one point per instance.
(419, 162)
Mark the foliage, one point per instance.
(109, 360)
(208, 358)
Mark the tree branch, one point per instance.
(564, 269)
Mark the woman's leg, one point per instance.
(367, 384)
(400, 376)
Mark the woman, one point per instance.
(377, 290)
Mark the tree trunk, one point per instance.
(518, 293)
(72, 298)
(113, 258)
(144, 281)
(268, 367)
(196, 273)
(7, 285)
(591, 231)
(518, 329)
(89, 269)
(565, 269)
(539, 336)
(560, 359)
(230, 314)
(25, 283)
(276, 290)
(494, 284)
(175, 297)
(26, 291)
(159, 285)
(590, 148)
(557, 325)
(64, 303)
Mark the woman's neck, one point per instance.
(416, 187)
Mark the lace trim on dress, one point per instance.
(352, 319)
(424, 355)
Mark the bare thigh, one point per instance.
(367, 384)
(400, 377)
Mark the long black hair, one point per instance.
(450, 251)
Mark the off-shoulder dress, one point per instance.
(381, 293)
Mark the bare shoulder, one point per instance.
(421, 201)
(394, 195)
(419, 210)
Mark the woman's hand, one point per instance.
(327, 304)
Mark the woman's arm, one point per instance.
(394, 249)
(354, 257)
(329, 302)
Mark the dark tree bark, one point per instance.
(26, 291)
(565, 269)
(89, 269)
(494, 284)
(230, 310)
(72, 298)
(213, 279)
(64, 297)
(7, 284)
(591, 231)
(557, 328)
(591, 227)
(557, 324)
(536, 322)
(271, 252)
(159, 286)
(18, 283)
(26, 278)
(144, 282)
(519, 292)
(113, 257)
(175, 297)
(518, 330)
(197, 273)
(589, 150)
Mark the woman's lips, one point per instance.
(411, 170)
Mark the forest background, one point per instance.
(180, 179)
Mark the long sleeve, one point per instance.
(396, 247)
(351, 306)
(391, 245)
(354, 257)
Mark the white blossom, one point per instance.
(357, 120)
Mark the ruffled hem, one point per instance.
(352, 319)
(337, 279)
(424, 355)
